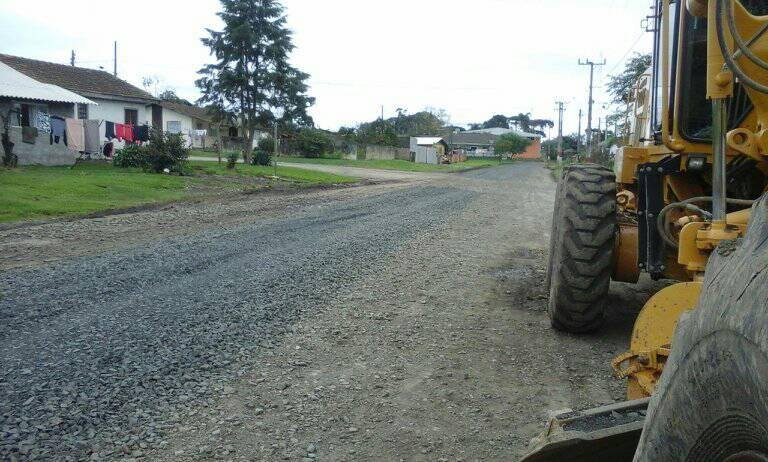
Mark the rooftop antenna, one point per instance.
(115, 58)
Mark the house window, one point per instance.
(174, 126)
(82, 111)
(131, 117)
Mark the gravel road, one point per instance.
(384, 322)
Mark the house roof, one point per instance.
(503, 131)
(86, 82)
(428, 140)
(473, 138)
(191, 111)
(14, 84)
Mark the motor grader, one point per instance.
(686, 201)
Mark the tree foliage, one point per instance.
(379, 132)
(511, 144)
(313, 143)
(620, 85)
(171, 96)
(251, 77)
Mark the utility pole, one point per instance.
(72, 59)
(560, 109)
(382, 112)
(115, 58)
(578, 135)
(591, 65)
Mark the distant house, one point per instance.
(481, 142)
(116, 100)
(195, 123)
(428, 149)
(28, 103)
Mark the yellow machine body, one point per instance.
(696, 237)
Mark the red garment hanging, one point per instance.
(128, 133)
(120, 132)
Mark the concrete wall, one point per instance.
(42, 152)
(387, 153)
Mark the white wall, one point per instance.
(114, 111)
(170, 115)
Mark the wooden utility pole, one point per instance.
(72, 59)
(560, 110)
(591, 65)
(578, 135)
(115, 58)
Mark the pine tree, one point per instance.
(252, 77)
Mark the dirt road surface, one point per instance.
(388, 322)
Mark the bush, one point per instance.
(131, 156)
(164, 151)
(266, 144)
(262, 157)
(232, 159)
(313, 143)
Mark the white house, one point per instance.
(116, 100)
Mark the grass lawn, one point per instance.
(34, 193)
(401, 165)
(42, 192)
(284, 173)
(212, 155)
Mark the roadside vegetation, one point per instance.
(37, 193)
(401, 165)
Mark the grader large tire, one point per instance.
(581, 249)
(712, 401)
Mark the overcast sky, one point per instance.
(472, 58)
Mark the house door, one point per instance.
(157, 116)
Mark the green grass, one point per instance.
(211, 155)
(42, 192)
(34, 193)
(401, 165)
(285, 173)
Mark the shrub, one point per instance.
(262, 157)
(164, 151)
(131, 156)
(232, 159)
(313, 143)
(266, 144)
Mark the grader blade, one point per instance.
(607, 433)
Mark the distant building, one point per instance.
(116, 100)
(29, 104)
(428, 149)
(480, 143)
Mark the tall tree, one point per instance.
(620, 85)
(497, 121)
(251, 77)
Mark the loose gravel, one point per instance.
(102, 355)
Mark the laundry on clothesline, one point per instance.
(75, 134)
(58, 130)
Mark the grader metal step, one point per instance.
(607, 433)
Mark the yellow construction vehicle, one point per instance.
(686, 201)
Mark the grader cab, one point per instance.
(686, 201)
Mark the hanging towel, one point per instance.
(43, 121)
(29, 135)
(142, 133)
(120, 131)
(58, 130)
(128, 133)
(109, 130)
(75, 135)
(92, 144)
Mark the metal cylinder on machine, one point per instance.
(719, 161)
